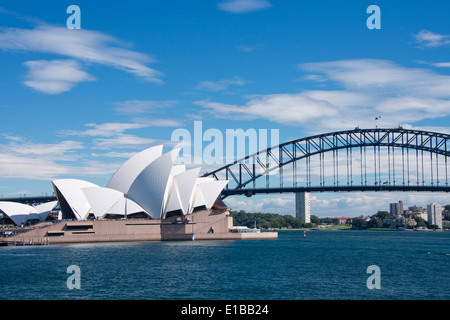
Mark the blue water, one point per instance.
(324, 265)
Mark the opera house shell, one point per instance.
(19, 214)
(147, 185)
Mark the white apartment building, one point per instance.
(434, 212)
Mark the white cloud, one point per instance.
(57, 151)
(382, 76)
(158, 122)
(306, 108)
(11, 137)
(243, 6)
(113, 135)
(221, 85)
(353, 204)
(442, 64)
(56, 76)
(284, 204)
(370, 88)
(142, 106)
(29, 160)
(24, 159)
(410, 109)
(124, 141)
(41, 161)
(19, 167)
(113, 154)
(445, 130)
(104, 129)
(111, 129)
(83, 45)
(430, 39)
(249, 47)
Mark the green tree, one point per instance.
(264, 224)
(359, 224)
(315, 220)
(265, 220)
(420, 222)
(326, 221)
(383, 215)
(375, 222)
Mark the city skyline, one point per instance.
(80, 102)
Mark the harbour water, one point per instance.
(329, 265)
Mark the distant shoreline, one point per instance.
(340, 228)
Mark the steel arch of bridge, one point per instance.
(423, 158)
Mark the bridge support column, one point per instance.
(302, 206)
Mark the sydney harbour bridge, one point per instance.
(354, 160)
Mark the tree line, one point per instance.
(270, 220)
(276, 221)
(381, 220)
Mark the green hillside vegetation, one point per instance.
(378, 221)
(270, 220)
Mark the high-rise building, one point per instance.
(393, 208)
(302, 207)
(396, 208)
(434, 212)
(415, 208)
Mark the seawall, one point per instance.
(202, 225)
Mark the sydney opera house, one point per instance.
(148, 198)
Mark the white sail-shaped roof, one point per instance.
(173, 203)
(211, 190)
(101, 199)
(44, 209)
(105, 201)
(33, 216)
(169, 201)
(125, 206)
(182, 191)
(185, 186)
(149, 188)
(203, 180)
(206, 192)
(71, 190)
(177, 170)
(129, 171)
(149, 183)
(19, 213)
(197, 199)
(47, 206)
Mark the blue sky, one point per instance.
(77, 103)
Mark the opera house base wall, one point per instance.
(201, 225)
